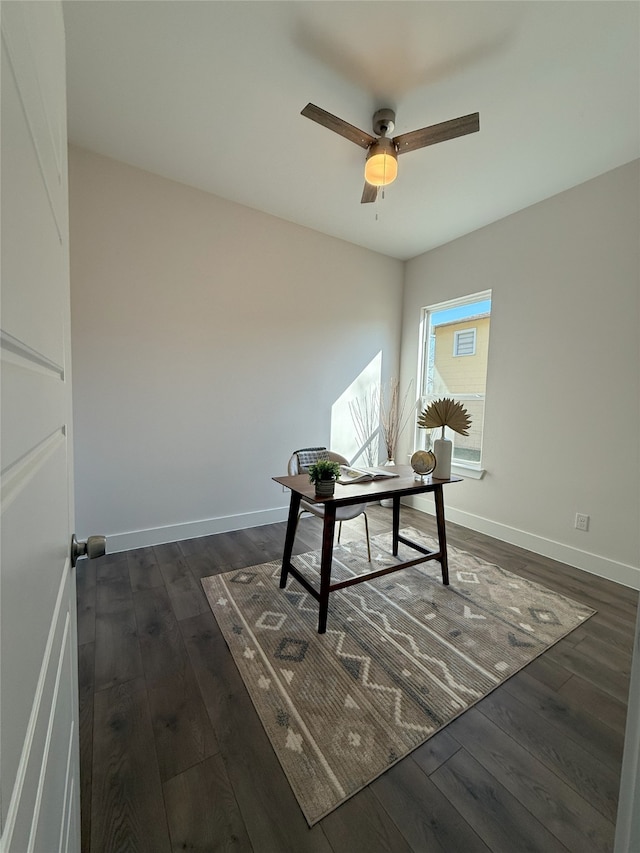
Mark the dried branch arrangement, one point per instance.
(365, 413)
(393, 415)
(445, 413)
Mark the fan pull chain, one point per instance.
(378, 206)
(384, 178)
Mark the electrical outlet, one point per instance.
(582, 521)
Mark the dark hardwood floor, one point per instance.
(174, 758)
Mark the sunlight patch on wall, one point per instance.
(355, 421)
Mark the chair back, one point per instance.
(301, 460)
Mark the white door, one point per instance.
(38, 678)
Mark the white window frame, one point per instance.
(473, 470)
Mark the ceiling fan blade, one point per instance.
(437, 133)
(369, 193)
(353, 134)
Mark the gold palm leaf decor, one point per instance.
(446, 413)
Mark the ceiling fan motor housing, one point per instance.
(384, 121)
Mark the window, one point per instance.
(454, 351)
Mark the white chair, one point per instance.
(343, 513)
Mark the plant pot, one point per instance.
(325, 488)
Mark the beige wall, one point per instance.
(562, 407)
(209, 341)
(197, 367)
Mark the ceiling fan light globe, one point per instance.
(381, 169)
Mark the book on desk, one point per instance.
(349, 474)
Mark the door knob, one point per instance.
(95, 546)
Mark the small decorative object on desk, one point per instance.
(324, 473)
(444, 413)
(423, 462)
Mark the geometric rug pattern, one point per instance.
(402, 656)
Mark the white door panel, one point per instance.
(27, 311)
(32, 33)
(31, 396)
(39, 784)
(30, 585)
(45, 65)
(45, 784)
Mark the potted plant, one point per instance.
(324, 474)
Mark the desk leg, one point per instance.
(442, 536)
(396, 525)
(328, 530)
(292, 523)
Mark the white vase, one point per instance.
(442, 452)
(387, 502)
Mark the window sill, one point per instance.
(467, 471)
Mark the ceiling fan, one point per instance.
(381, 166)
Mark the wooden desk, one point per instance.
(356, 493)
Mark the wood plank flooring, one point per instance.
(174, 757)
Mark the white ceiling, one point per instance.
(209, 93)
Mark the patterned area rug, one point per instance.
(402, 656)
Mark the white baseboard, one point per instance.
(193, 529)
(602, 566)
(592, 563)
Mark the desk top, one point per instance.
(372, 490)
